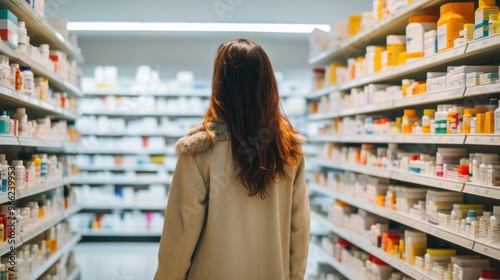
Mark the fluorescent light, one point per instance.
(197, 27)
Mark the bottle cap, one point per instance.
(21, 24)
(423, 18)
(490, 274)
(486, 3)
(469, 26)
(471, 213)
(25, 68)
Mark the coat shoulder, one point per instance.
(197, 140)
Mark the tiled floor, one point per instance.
(124, 261)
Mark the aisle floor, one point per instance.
(121, 261)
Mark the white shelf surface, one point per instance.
(71, 211)
(120, 232)
(44, 31)
(23, 100)
(415, 100)
(321, 256)
(137, 113)
(377, 33)
(83, 150)
(457, 139)
(132, 92)
(137, 181)
(373, 250)
(31, 142)
(121, 206)
(38, 69)
(150, 167)
(483, 139)
(39, 188)
(42, 227)
(65, 250)
(157, 132)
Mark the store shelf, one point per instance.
(488, 249)
(31, 142)
(483, 139)
(134, 113)
(75, 274)
(486, 191)
(321, 256)
(22, 100)
(40, 30)
(71, 179)
(456, 139)
(4, 248)
(39, 188)
(71, 211)
(132, 92)
(120, 233)
(123, 206)
(435, 182)
(375, 34)
(322, 92)
(125, 168)
(83, 150)
(373, 250)
(415, 100)
(137, 181)
(55, 257)
(158, 133)
(485, 47)
(41, 227)
(373, 171)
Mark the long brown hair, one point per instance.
(245, 98)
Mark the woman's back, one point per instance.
(238, 206)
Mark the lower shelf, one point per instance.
(124, 233)
(75, 274)
(321, 256)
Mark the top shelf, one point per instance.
(375, 34)
(131, 92)
(40, 30)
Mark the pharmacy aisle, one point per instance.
(39, 88)
(407, 124)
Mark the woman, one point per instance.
(238, 206)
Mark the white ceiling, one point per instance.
(195, 51)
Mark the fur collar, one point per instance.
(197, 141)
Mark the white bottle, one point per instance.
(30, 174)
(471, 216)
(484, 225)
(22, 34)
(497, 119)
(29, 81)
(476, 163)
(495, 225)
(22, 119)
(44, 167)
(20, 172)
(415, 35)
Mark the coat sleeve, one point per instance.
(300, 226)
(184, 220)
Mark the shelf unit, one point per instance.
(40, 32)
(140, 168)
(373, 250)
(119, 233)
(321, 256)
(158, 133)
(138, 114)
(75, 274)
(83, 150)
(132, 92)
(137, 181)
(473, 53)
(125, 206)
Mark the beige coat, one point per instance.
(214, 231)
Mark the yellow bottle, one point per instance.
(453, 17)
(354, 24)
(426, 120)
(332, 71)
(489, 123)
(486, 8)
(466, 119)
(1, 233)
(480, 123)
(408, 120)
(395, 45)
(496, 25)
(37, 161)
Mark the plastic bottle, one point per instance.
(37, 162)
(415, 33)
(439, 165)
(4, 123)
(486, 8)
(476, 163)
(495, 225)
(28, 81)
(395, 45)
(452, 121)
(20, 172)
(3, 273)
(5, 177)
(408, 118)
(44, 167)
(453, 17)
(30, 174)
(22, 119)
(497, 119)
(22, 34)
(466, 119)
(471, 216)
(491, 28)
(426, 120)
(484, 225)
